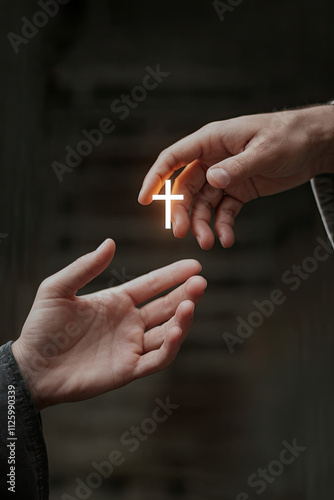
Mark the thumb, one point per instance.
(236, 169)
(69, 280)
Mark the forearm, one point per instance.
(23, 457)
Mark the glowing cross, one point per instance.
(168, 197)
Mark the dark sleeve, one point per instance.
(323, 189)
(23, 457)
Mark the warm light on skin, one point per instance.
(168, 197)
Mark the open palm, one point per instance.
(76, 347)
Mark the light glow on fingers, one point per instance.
(168, 197)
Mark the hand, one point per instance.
(231, 162)
(73, 348)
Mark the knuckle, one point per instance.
(212, 126)
(152, 281)
(191, 188)
(265, 147)
(265, 140)
(228, 219)
(231, 212)
(210, 192)
(203, 203)
(169, 157)
(168, 304)
(80, 260)
(144, 316)
(44, 285)
(267, 137)
(85, 271)
(239, 167)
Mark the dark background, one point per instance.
(235, 410)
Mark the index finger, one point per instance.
(176, 156)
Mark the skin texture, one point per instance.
(73, 348)
(229, 163)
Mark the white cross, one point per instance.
(168, 197)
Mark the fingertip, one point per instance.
(225, 243)
(197, 279)
(206, 243)
(104, 254)
(140, 195)
(204, 283)
(113, 243)
(143, 198)
(151, 185)
(193, 263)
(227, 239)
(218, 177)
(180, 222)
(203, 233)
(108, 243)
(113, 246)
(180, 231)
(184, 317)
(186, 309)
(195, 288)
(175, 333)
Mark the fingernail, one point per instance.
(221, 176)
(102, 245)
(199, 241)
(140, 193)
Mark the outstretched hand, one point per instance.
(75, 347)
(232, 162)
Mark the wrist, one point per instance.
(320, 134)
(27, 373)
